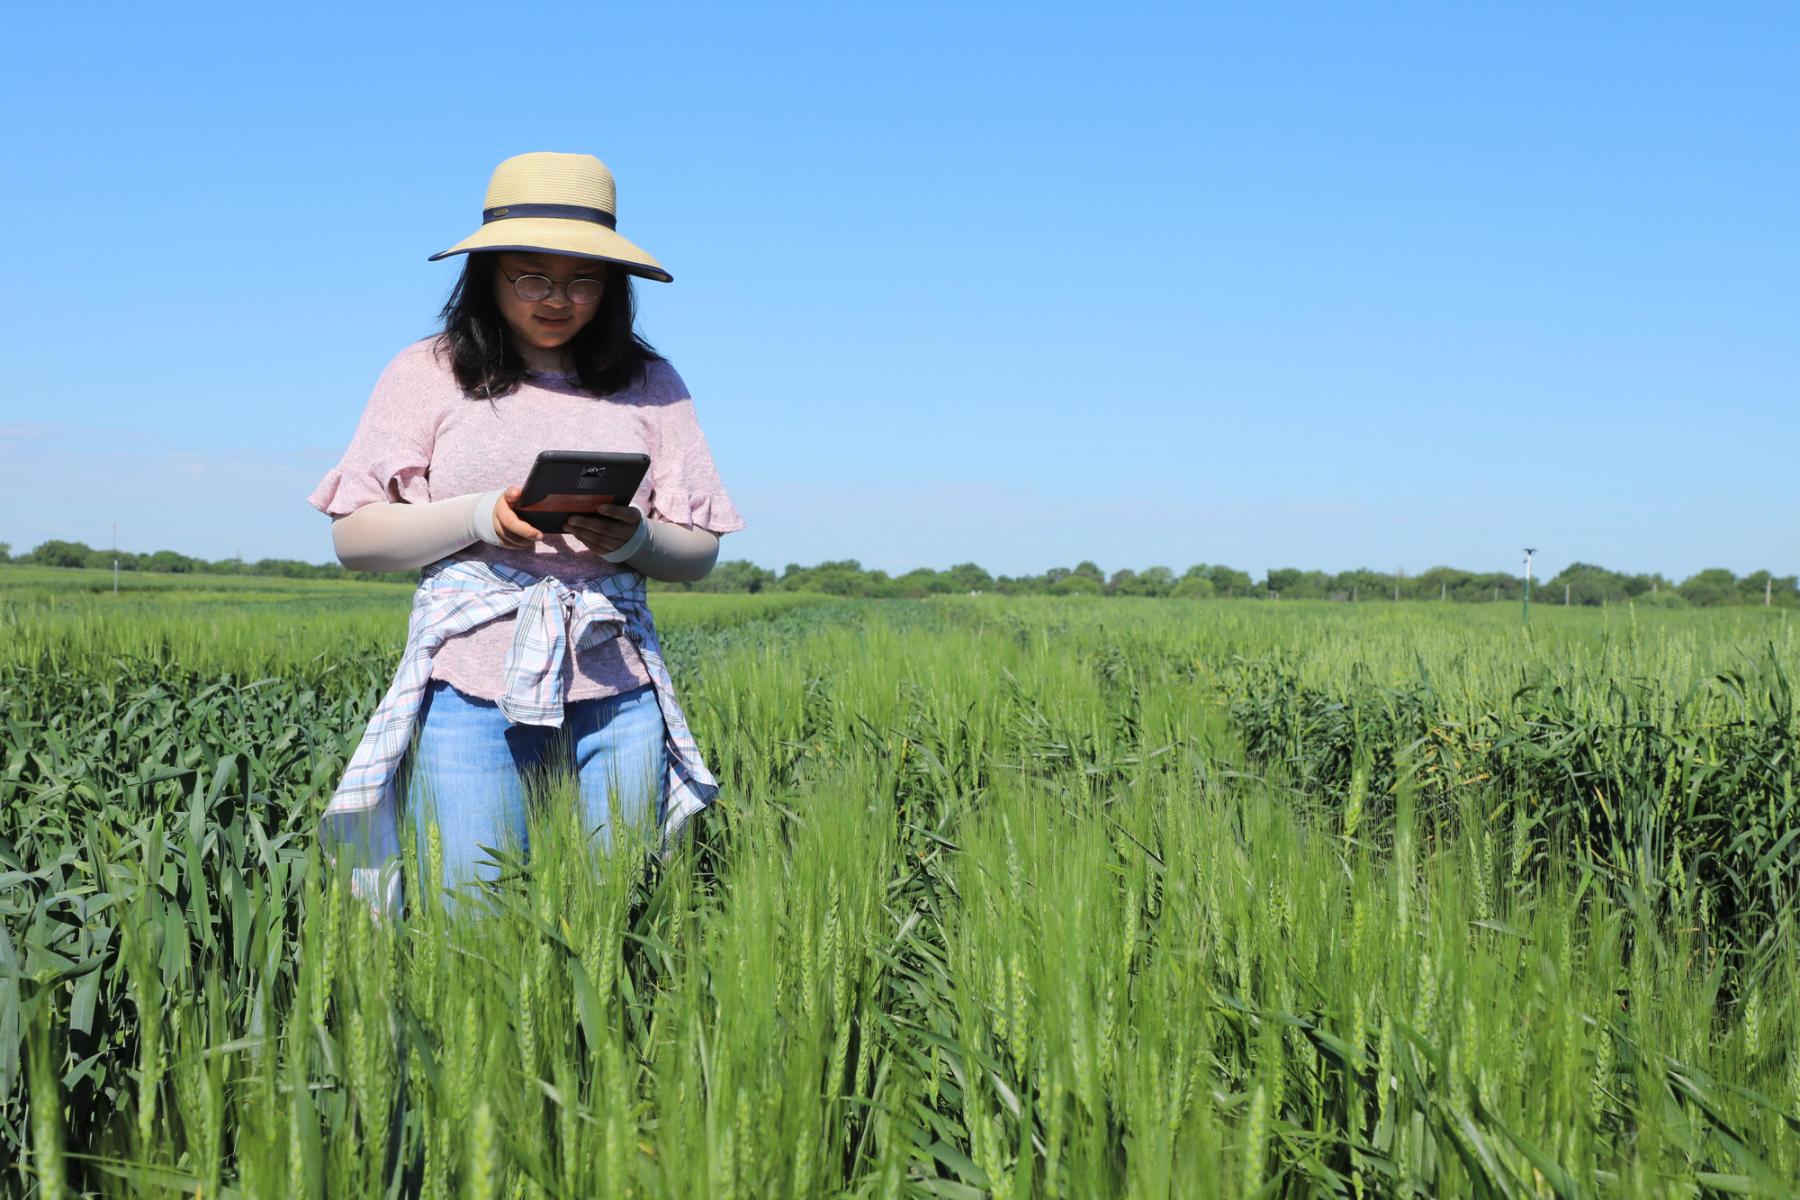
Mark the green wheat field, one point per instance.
(1002, 897)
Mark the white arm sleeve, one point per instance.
(399, 537)
(674, 553)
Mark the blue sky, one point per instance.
(1271, 285)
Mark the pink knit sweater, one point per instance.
(421, 439)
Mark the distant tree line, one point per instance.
(1578, 583)
(80, 554)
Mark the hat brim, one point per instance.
(553, 235)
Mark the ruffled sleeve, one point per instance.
(389, 459)
(684, 483)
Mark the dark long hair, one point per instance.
(608, 354)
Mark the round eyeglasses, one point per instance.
(532, 288)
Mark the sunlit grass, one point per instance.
(255, 624)
(1011, 898)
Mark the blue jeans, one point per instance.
(470, 767)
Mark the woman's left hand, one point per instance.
(606, 531)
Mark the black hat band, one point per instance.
(566, 212)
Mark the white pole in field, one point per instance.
(1527, 610)
(115, 558)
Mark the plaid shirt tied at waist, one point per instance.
(456, 595)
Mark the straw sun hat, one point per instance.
(559, 203)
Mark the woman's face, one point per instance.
(550, 323)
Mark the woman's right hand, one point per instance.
(514, 531)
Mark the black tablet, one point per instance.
(578, 481)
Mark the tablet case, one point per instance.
(578, 481)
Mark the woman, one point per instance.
(525, 650)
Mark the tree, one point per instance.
(1364, 584)
(969, 577)
(923, 581)
(1089, 570)
(5, 552)
(1229, 582)
(1443, 582)
(1296, 584)
(1155, 581)
(288, 568)
(738, 575)
(1193, 587)
(843, 577)
(1497, 585)
(1587, 584)
(1780, 588)
(1152, 581)
(1078, 585)
(57, 553)
(168, 560)
(1281, 580)
(1715, 585)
